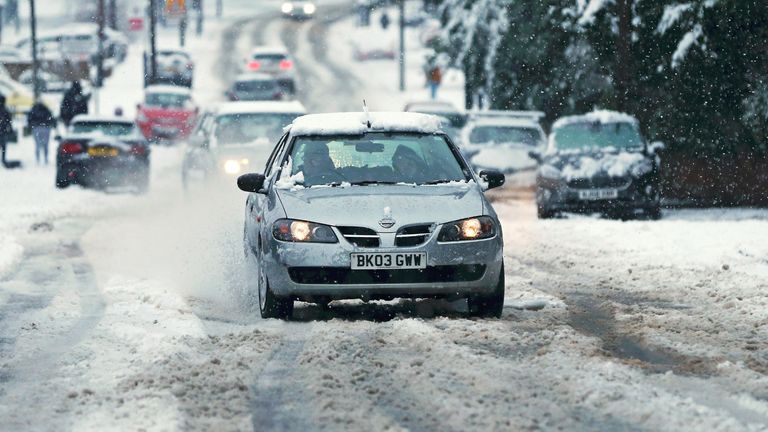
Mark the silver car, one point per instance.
(371, 206)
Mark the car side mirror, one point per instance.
(251, 183)
(197, 141)
(493, 178)
(656, 147)
(535, 155)
(57, 137)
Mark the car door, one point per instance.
(258, 204)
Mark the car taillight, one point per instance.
(254, 65)
(286, 64)
(138, 150)
(71, 148)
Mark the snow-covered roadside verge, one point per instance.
(380, 77)
(11, 253)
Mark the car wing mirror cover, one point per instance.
(656, 147)
(492, 178)
(251, 183)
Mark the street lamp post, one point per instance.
(35, 62)
(99, 55)
(152, 41)
(401, 59)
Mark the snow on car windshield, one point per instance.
(246, 128)
(174, 100)
(618, 135)
(375, 158)
(107, 128)
(504, 134)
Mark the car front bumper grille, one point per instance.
(347, 276)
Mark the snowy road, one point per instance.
(120, 312)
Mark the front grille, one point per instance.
(599, 182)
(413, 235)
(360, 236)
(347, 276)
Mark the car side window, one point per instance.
(278, 149)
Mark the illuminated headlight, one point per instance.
(287, 8)
(309, 8)
(290, 230)
(232, 167)
(477, 228)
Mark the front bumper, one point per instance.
(309, 270)
(637, 194)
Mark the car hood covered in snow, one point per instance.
(365, 205)
(584, 165)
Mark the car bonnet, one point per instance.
(367, 205)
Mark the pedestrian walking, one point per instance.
(41, 121)
(6, 128)
(73, 103)
(434, 78)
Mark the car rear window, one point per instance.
(375, 158)
(107, 128)
(504, 134)
(256, 85)
(167, 100)
(269, 57)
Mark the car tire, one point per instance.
(271, 305)
(488, 305)
(61, 180)
(543, 213)
(654, 213)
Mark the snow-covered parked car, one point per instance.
(371, 206)
(103, 152)
(598, 162)
(501, 140)
(234, 137)
(174, 67)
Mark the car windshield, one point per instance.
(245, 128)
(255, 85)
(620, 135)
(375, 158)
(504, 134)
(105, 127)
(167, 100)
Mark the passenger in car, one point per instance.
(318, 165)
(408, 165)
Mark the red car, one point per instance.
(168, 113)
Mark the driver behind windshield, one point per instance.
(318, 166)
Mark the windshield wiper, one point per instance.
(434, 182)
(370, 182)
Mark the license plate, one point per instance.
(378, 261)
(103, 152)
(598, 194)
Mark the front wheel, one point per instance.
(270, 305)
(488, 305)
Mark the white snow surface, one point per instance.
(597, 116)
(357, 123)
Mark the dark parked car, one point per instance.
(103, 152)
(255, 87)
(598, 162)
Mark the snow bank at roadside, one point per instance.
(11, 253)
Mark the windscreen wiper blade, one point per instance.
(370, 182)
(434, 182)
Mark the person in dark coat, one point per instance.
(6, 127)
(41, 121)
(73, 103)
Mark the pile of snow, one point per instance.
(353, 123)
(10, 254)
(290, 181)
(598, 116)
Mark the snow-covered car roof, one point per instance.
(276, 49)
(504, 121)
(352, 123)
(436, 106)
(282, 107)
(84, 118)
(162, 88)
(598, 116)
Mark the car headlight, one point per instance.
(309, 8)
(287, 8)
(476, 228)
(290, 230)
